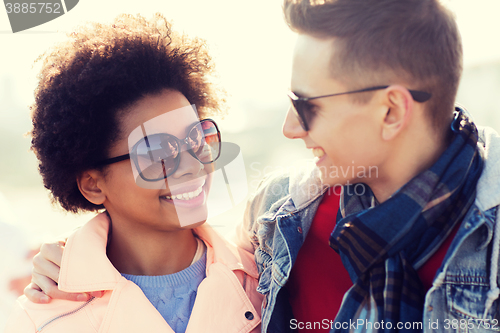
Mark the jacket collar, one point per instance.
(219, 250)
(305, 185)
(85, 266)
(488, 194)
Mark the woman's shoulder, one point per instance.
(27, 316)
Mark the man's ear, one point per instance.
(400, 108)
(89, 185)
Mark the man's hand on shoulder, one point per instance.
(45, 275)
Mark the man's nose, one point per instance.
(291, 127)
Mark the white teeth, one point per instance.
(318, 152)
(187, 195)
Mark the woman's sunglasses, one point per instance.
(303, 109)
(158, 156)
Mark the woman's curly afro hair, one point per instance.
(87, 83)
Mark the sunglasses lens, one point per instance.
(157, 156)
(204, 140)
(298, 109)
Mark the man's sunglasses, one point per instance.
(158, 156)
(303, 110)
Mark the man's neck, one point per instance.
(412, 155)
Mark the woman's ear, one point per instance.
(88, 183)
(399, 112)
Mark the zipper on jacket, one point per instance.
(48, 322)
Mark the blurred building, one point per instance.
(479, 92)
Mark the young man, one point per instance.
(415, 243)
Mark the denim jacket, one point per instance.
(464, 294)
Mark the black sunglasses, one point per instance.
(304, 113)
(158, 156)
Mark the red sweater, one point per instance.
(316, 290)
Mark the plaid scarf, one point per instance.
(381, 246)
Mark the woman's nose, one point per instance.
(188, 165)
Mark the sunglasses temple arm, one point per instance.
(163, 168)
(147, 143)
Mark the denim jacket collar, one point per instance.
(488, 193)
(488, 196)
(305, 186)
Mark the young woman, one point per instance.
(117, 130)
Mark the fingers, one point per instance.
(34, 294)
(53, 252)
(45, 276)
(97, 294)
(43, 286)
(41, 266)
(45, 273)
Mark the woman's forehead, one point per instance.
(173, 122)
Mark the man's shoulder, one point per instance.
(279, 193)
(488, 191)
(273, 187)
(301, 184)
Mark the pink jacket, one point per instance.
(227, 300)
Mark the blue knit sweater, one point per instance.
(173, 295)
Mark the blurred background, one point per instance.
(252, 49)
